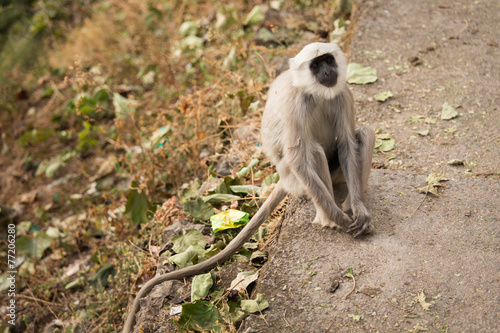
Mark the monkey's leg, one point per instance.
(309, 165)
(365, 141)
(294, 186)
(365, 138)
(321, 217)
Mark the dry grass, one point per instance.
(199, 95)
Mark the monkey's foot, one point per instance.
(323, 220)
(362, 224)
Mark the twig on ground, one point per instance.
(227, 292)
(353, 287)
(421, 202)
(32, 298)
(286, 321)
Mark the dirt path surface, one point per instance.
(447, 250)
(432, 263)
(428, 54)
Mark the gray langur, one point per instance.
(308, 132)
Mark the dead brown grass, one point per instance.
(193, 94)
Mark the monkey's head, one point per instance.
(319, 69)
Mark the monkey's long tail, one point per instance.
(272, 201)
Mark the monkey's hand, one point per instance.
(341, 224)
(362, 223)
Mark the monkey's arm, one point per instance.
(350, 163)
(352, 173)
(272, 201)
(307, 161)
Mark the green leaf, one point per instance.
(188, 28)
(34, 247)
(158, 138)
(421, 299)
(436, 177)
(382, 135)
(201, 286)
(192, 42)
(414, 119)
(423, 133)
(268, 184)
(258, 255)
(232, 310)
(50, 167)
(87, 138)
(123, 106)
(355, 316)
(339, 29)
(47, 92)
(387, 145)
(249, 208)
(383, 96)
(448, 112)
(245, 103)
(225, 17)
(265, 35)
(189, 257)
(192, 237)
(243, 280)
(256, 305)
(231, 59)
(246, 169)
(189, 191)
(358, 74)
(101, 95)
(198, 209)
(225, 185)
(199, 316)
(246, 189)
(53, 232)
(4, 282)
(434, 180)
(220, 197)
(255, 17)
(429, 188)
(138, 209)
(455, 162)
(270, 179)
(243, 255)
(78, 282)
(451, 129)
(101, 277)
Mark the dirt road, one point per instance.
(432, 263)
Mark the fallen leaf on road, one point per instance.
(448, 112)
(421, 299)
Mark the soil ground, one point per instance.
(448, 250)
(444, 249)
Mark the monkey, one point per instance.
(308, 133)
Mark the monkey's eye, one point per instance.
(330, 60)
(315, 65)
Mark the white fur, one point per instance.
(302, 77)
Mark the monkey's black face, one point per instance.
(324, 69)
